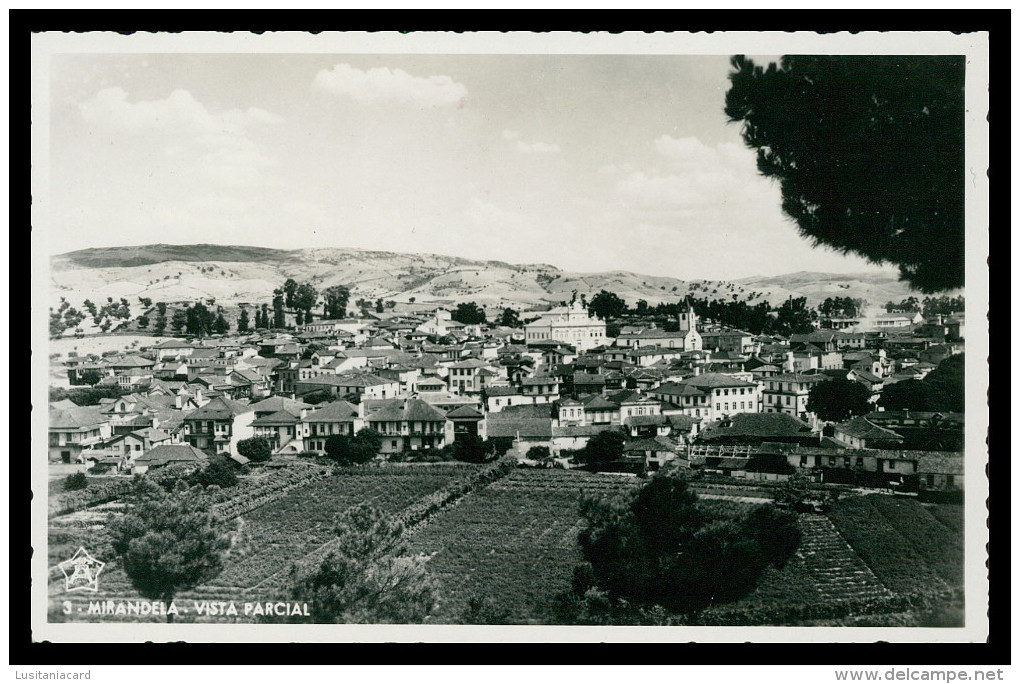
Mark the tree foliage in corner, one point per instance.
(869, 152)
(169, 541)
(371, 577)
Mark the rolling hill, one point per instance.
(239, 274)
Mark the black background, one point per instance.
(24, 651)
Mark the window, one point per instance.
(950, 481)
(393, 443)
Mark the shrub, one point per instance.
(75, 482)
(255, 449)
(219, 474)
(537, 453)
(658, 545)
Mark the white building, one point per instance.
(688, 321)
(571, 324)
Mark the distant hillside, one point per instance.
(236, 275)
(144, 255)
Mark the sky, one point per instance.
(585, 162)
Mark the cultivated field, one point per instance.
(514, 543)
(268, 539)
(511, 547)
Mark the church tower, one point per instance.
(688, 321)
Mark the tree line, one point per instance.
(793, 316)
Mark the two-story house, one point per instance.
(335, 418)
(711, 395)
(470, 376)
(219, 425)
(406, 424)
(73, 429)
(788, 392)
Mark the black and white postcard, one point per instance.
(365, 337)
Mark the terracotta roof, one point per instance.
(278, 403)
(757, 425)
(862, 428)
(219, 408)
(277, 418)
(683, 423)
(172, 453)
(650, 444)
(578, 430)
(76, 417)
(407, 410)
(597, 402)
(510, 423)
(713, 380)
(938, 462)
(334, 412)
(645, 420)
(353, 379)
(502, 391)
(464, 412)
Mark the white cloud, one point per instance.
(699, 176)
(216, 145)
(179, 110)
(529, 147)
(537, 147)
(380, 84)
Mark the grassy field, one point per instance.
(100, 344)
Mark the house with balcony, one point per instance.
(282, 429)
(335, 418)
(406, 424)
(73, 429)
(219, 425)
(464, 422)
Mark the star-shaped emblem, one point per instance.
(81, 571)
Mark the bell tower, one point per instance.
(688, 320)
